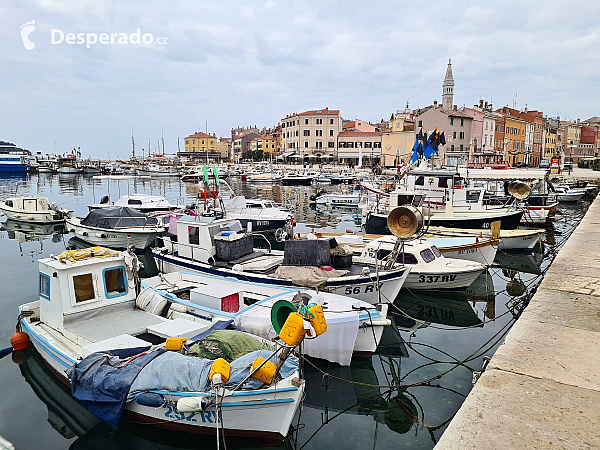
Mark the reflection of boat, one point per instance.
(454, 311)
(34, 228)
(521, 262)
(482, 289)
(65, 414)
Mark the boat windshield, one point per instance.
(436, 251)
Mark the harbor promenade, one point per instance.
(541, 390)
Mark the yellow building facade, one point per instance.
(550, 143)
(397, 142)
(515, 131)
(200, 142)
(267, 144)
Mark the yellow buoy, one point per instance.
(293, 330)
(219, 367)
(318, 322)
(266, 372)
(175, 343)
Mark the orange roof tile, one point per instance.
(199, 134)
(316, 112)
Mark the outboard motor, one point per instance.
(60, 211)
(104, 200)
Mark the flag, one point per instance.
(443, 138)
(415, 155)
(428, 149)
(435, 139)
(420, 135)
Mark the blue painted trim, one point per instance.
(126, 282)
(235, 394)
(44, 295)
(53, 351)
(258, 402)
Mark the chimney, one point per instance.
(481, 104)
(454, 107)
(435, 103)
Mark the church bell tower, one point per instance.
(448, 88)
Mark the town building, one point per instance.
(358, 125)
(241, 144)
(539, 125)
(224, 148)
(481, 145)
(200, 142)
(354, 144)
(266, 144)
(397, 141)
(312, 133)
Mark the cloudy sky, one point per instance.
(229, 63)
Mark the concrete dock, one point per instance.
(541, 390)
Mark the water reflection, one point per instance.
(31, 236)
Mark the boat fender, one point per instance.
(219, 372)
(237, 268)
(293, 330)
(192, 404)
(151, 301)
(175, 343)
(178, 307)
(151, 399)
(266, 372)
(19, 340)
(30, 217)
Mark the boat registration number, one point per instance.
(356, 290)
(204, 416)
(436, 278)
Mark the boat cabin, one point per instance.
(28, 204)
(412, 253)
(71, 292)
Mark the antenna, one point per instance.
(515, 102)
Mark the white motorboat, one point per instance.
(142, 202)
(201, 299)
(429, 269)
(296, 179)
(34, 210)
(156, 171)
(265, 215)
(217, 246)
(115, 227)
(89, 319)
(565, 194)
(322, 197)
(264, 177)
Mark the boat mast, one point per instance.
(132, 146)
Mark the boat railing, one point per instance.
(265, 239)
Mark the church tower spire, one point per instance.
(448, 88)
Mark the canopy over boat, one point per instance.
(117, 217)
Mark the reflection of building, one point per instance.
(312, 132)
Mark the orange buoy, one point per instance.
(19, 340)
(294, 222)
(349, 230)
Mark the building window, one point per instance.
(452, 147)
(331, 144)
(451, 120)
(202, 141)
(403, 137)
(462, 122)
(318, 132)
(306, 132)
(296, 133)
(305, 121)
(187, 142)
(462, 135)
(461, 147)
(330, 121)
(319, 144)
(319, 121)
(454, 135)
(420, 123)
(376, 144)
(193, 141)
(331, 131)
(368, 144)
(305, 144)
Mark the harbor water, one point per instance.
(403, 397)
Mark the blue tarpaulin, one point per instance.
(101, 381)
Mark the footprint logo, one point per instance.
(26, 30)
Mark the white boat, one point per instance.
(156, 171)
(481, 250)
(323, 197)
(206, 299)
(202, 247)
(142, 202)
(115, 227)
(46, 169)
(296, 179)
(89, 305)
(265, 177)
(509, 239)
(429, 269)
(265, 215)
(565, 194)
(34, 210)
